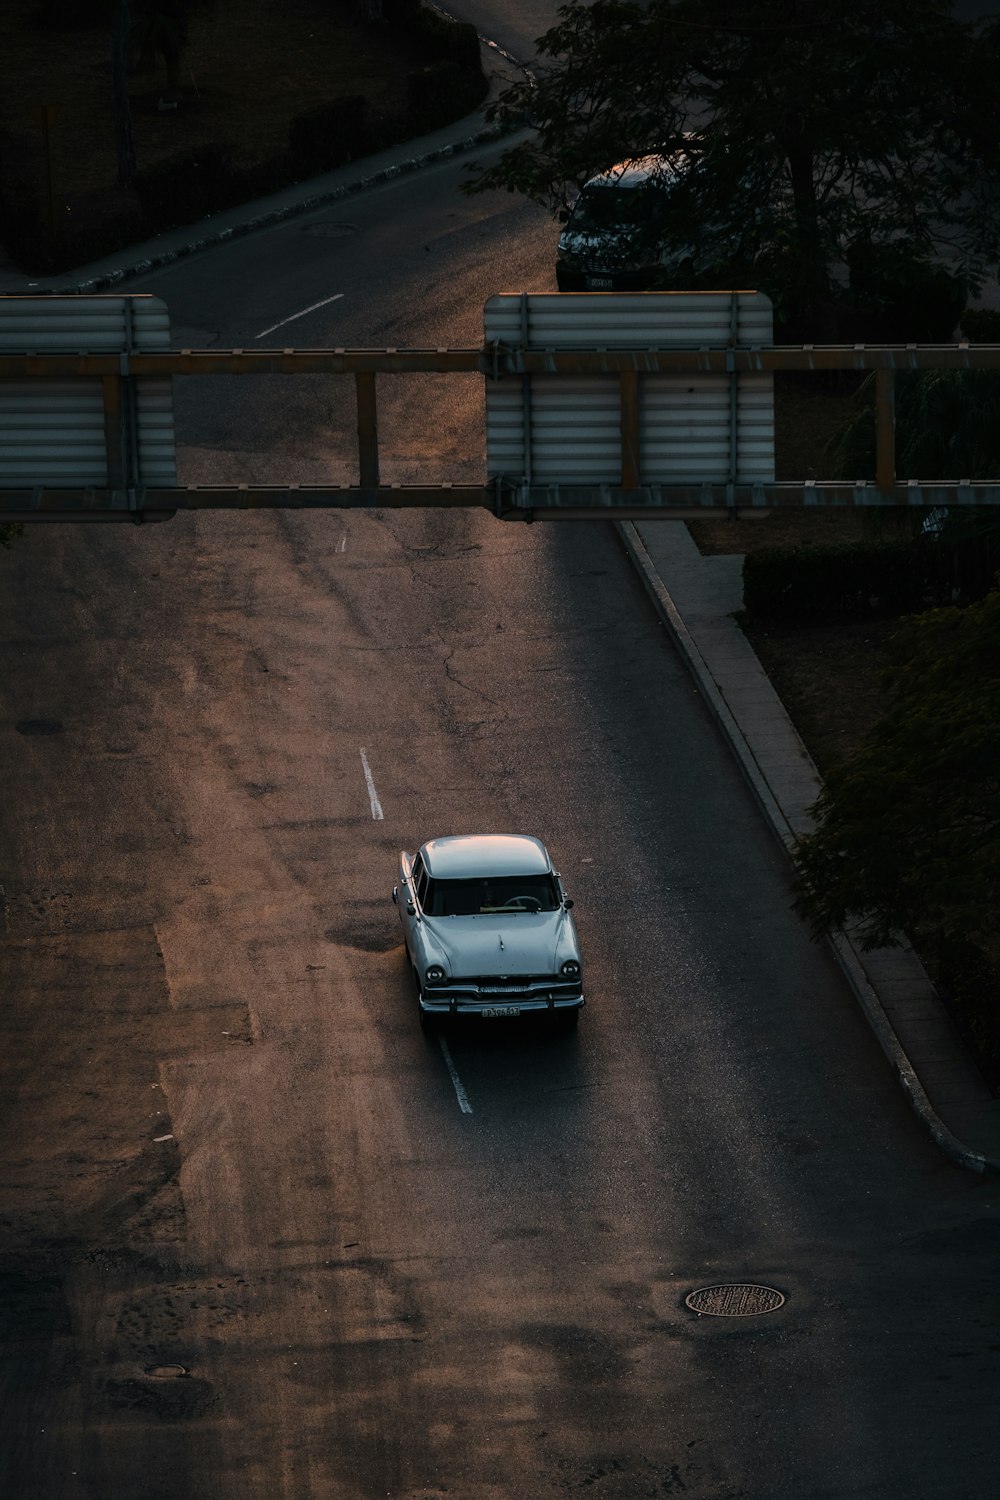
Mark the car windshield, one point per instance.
(488, 895)
(600, 208)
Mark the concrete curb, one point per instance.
(844, 950)
(207, 237)
(852, 968)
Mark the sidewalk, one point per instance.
(696, 597)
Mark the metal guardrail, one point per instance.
(508, 497)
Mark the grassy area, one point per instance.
(827, 676)
(250, 67)
(829, 679)
(262, 95)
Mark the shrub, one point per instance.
(25, 235)
(981, 325)
(899, 297)
(400, 12)
(186, 188)
(439, 39)
(847, 581)
(68, 15)
(907, 828)
(331, 135)
(947, 427)
(442, 92)
(88, 226)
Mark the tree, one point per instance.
(160, 31)
(908, 829)
(821, 132)
(141, 32)
(121, 113)
(947, 427)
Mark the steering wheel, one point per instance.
(521, 903)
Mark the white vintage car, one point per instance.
(488, 929)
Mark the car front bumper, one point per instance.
(578, 279)
(500, 1006)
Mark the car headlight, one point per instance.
(570, 969)
(434, 974)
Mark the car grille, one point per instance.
(523, 987)
(518, 984)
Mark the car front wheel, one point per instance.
(427, 1020)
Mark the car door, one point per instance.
(409, 909)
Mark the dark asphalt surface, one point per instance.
(409, 264)
(229, 1146)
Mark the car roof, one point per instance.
(463, 856)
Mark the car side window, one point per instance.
(419, 880)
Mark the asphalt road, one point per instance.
(251, 1242)
(408, 264)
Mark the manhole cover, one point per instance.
(167, 1372)
(330, 229)
(735, 1300)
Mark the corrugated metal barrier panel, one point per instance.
(566, 429)
(52, 432)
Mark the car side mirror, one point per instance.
(563, 216)
(411, 909)
(568, 902)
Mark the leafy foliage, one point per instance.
(822, 129)
(947, 427)
(981, 325)
(908, 829)
(862, 580)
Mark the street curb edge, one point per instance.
(220, 236)
(843, 948)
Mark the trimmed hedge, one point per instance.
(331, 135)
(848, 581)
(439, 39)
(900, 297)
(442, 92)
(186, 188)
(432, 36)
(87, 226)
(981, 325)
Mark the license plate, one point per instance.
(491, 1012)
(597, 283)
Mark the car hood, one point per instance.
(608, 249)
(530, 943)
(617, 250)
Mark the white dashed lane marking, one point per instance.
(372, 793)
(460, 1094)
(291, 319)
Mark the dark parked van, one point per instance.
(612, 240)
